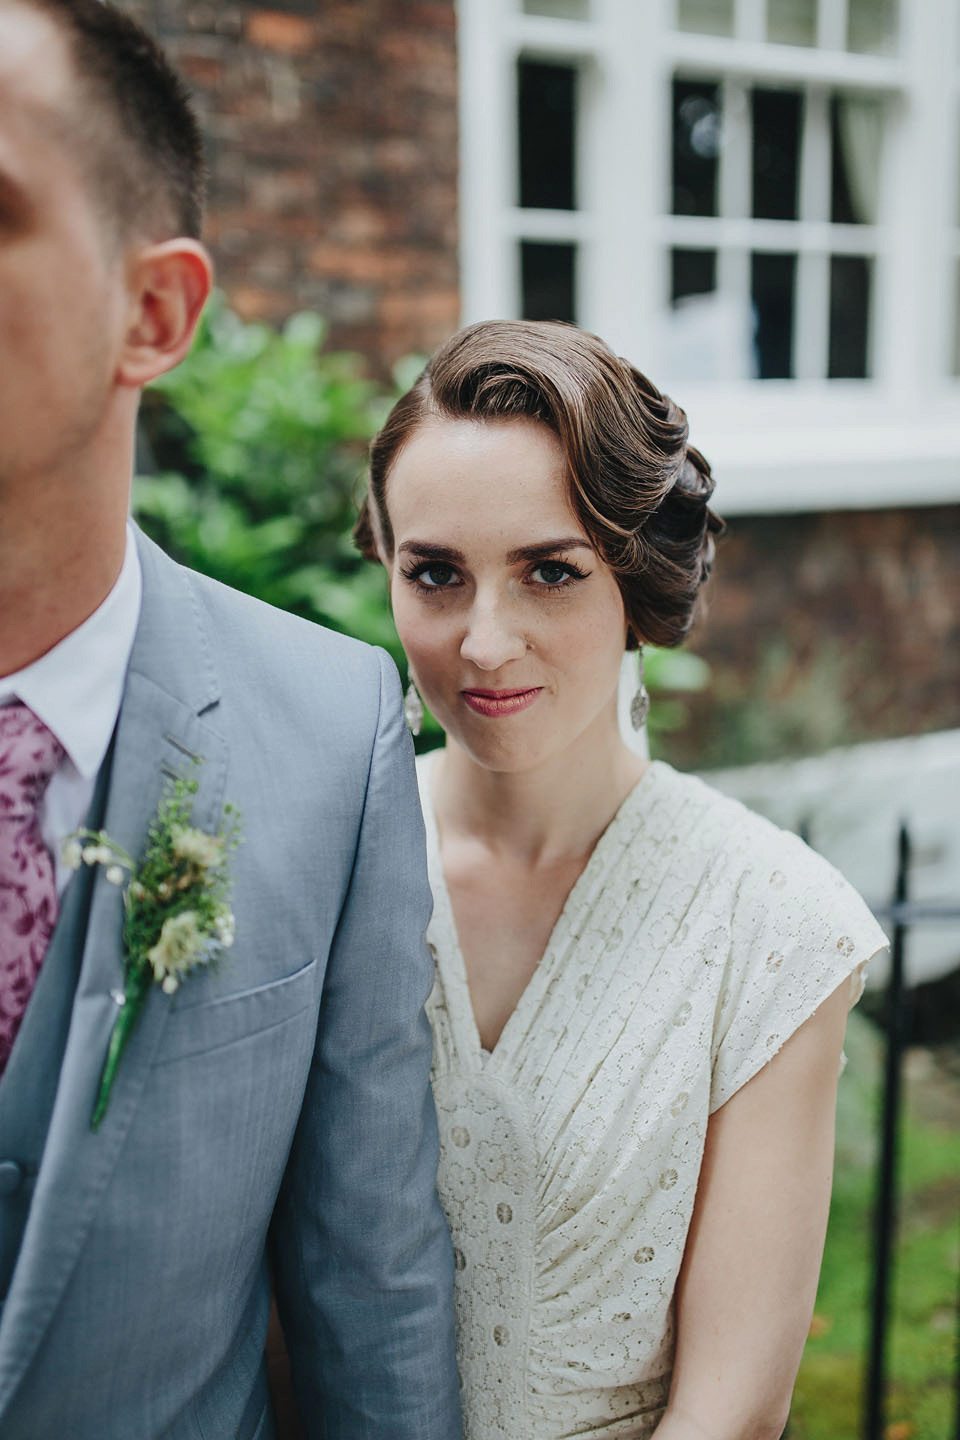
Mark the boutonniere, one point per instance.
(177, 914)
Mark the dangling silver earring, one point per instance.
(640, 704)
(413, 709)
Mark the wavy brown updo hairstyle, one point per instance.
(639, 490)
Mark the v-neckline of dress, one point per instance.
(449, 957)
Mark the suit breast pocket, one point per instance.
(208, 1147)
(231, 1019)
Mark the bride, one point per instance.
(641, 987)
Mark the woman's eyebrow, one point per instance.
(430, 551)
(547, 548)
(523, 553)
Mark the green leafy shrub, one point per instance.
(260, 439)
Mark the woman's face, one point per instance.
(513, 626)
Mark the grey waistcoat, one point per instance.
(29, 1084)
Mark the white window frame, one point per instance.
(795, 445)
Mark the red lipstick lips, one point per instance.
(494, 703)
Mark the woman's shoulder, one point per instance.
(724, 822)
(685, 791)
(770, 871)
(711, 830)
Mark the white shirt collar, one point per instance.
(76, 688)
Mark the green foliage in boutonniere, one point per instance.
(177, 914)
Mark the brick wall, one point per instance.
(828, 629)
(333, 150)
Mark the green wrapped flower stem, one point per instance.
(138, 987)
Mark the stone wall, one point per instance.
(332, 139)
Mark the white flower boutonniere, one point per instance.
(176, 908)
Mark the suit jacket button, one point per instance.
(11, 1175)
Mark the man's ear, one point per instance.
(168, 286)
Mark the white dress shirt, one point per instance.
(76, 689)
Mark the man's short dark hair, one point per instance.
(140, 133)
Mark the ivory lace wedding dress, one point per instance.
(695, 942)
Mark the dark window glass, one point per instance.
(692, 272)
(547, 98)
(772, 285)
(548, 281)
(849, 316)
(777, 121)
(696, 147)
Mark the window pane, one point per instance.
(561, 9)
(792, 22)
(849, 313)
(692, 272)
(777, 120)
(856, 138)
(956, 319)
(873, 27)
(548, 283)
(547, 97)
(696, 147)
(772, 283)
(705, 17)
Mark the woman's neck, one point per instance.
(538, 816)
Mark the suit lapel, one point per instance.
(171, 691)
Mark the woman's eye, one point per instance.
(436, 576)
(552, 573)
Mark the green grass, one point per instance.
(922, 1347)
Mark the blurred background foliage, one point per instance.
(256, 442)
(253, 454)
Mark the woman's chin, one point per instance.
(502, 751)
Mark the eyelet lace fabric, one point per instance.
(698, 938)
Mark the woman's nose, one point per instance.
(493, 637)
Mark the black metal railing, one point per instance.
(903, 915)
(885, 1202)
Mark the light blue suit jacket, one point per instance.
(278, 1103)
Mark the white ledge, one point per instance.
(773, 455)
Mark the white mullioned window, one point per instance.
(757, 201)
(954, 201)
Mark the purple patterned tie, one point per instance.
(29, 755)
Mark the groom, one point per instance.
(273, 1114)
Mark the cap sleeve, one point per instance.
(799, 930)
